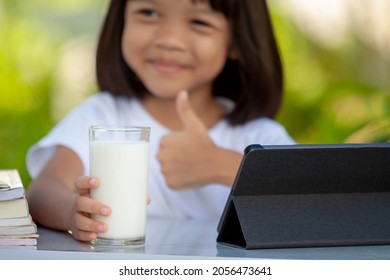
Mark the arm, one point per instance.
(59, 197)
(225, 166)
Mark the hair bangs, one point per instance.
(224, 6)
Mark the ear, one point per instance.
(233, 54)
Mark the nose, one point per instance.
(171, 35)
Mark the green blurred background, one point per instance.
(336, 55)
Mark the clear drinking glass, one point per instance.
(119, 157)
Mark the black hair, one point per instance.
(253, 81)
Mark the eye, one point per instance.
(200, 23)
(150, 13)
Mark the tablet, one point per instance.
(309, 195)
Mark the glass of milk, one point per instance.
(119, 157)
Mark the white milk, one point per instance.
(122, 168)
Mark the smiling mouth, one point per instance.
(167, 67)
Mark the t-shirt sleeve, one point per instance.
(72, 132)
(272, 133)
(263, 131)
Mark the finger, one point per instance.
(85, 223)
(85, 183)
(84, 235)
(186, 114)
(85, 228)
(90, 206)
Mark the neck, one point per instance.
(164, 110)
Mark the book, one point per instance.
(22, 240)
(25, 247)
(18, 230)
(14, 208)
(11, 186)
(19, 221)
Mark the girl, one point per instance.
(204, 75)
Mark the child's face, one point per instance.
(174, 44)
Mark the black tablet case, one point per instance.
(309, 196)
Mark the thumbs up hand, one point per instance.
(186, 155)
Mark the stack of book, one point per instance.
(16, 226)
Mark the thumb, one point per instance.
(186, 114)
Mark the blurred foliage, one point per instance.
(333, 95)
(32, 36)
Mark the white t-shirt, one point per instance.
(104, 109)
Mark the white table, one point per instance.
(180, 239)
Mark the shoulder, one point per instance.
(265, 124)
(260, 130)
(102, 106)
(268, 132)
(264, 131)
(100, 100)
